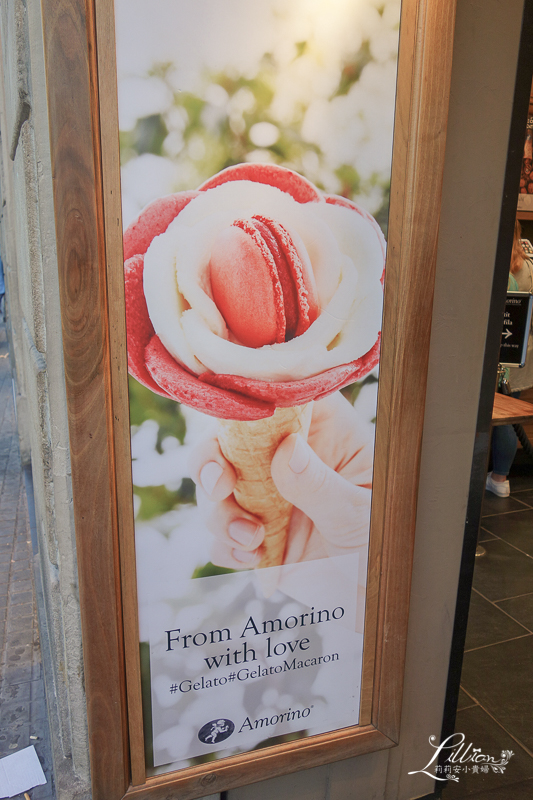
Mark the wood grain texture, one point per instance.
(260, 765)
(110, 159)
(425, 58)
(74, 139)
(510, 410)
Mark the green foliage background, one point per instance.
(206, 145)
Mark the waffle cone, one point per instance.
(250, 447)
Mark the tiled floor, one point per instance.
(496, 701)
(23, 712)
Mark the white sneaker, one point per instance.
(501, 488)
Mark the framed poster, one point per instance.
(225, 205)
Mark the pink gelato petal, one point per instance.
(138, 325)
(152, 221)
(282, 178)
(186, 388)
(294, 393)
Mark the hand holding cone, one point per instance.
(250, 447)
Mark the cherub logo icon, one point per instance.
(216, 731)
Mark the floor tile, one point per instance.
(521, 476)
(485, 535)
(488, 625)
(518, 531)
(16, 692)
(518, 791)
(484, 733)
(12, 739)
(21, 597)
(500, 505)
(21, 638)
(464, 701)
(17, 674)
(19, 624)
(43, 793)
(504, 572)
(18, 610)
(36, 689)
(525, 496)
(500, 677)
(14, 714)
(520, 608)
(22, 586)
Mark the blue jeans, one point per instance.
(504, 446)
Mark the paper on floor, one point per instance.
(19, 772)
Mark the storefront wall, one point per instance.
(34, 327)
(485, 56)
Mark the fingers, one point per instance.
(211, 471)
(238, 535)
(342, 440)
(228, 557)
(340, 510)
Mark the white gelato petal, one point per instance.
(332, 318)
(165, 303)
(263, 363)
(192, 267)
(355, 237)
(242, 199)
(324, 254)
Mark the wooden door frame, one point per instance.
(83, 118)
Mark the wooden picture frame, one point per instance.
(81, 77)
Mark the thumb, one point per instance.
(339, 510)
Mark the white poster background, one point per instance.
(270, 666)
(331, 70)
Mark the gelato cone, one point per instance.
(247, 300)
(250, 447)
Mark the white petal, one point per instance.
(165, 304)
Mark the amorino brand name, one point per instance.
(275, 719)
(175, 637)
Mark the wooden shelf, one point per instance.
(524, 215)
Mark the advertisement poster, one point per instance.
(256, 142)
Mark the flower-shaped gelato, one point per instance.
(257, 291)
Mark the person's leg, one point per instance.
(504, 447)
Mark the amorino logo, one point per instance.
(216, 731)
(447, 766)
(275, 719)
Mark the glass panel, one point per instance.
(256, 141)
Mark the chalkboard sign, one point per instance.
(515, 333)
